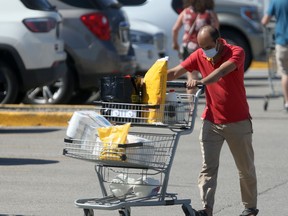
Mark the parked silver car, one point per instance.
(149, 44)
(239, 23)
(97, 41)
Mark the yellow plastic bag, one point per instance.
(154, 89)
(111, 137)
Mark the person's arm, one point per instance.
(215, 21)
(175, 72)
(266, 19)
(175, 30)
(222, 71)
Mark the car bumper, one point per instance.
(45, 76)
(111, 66)
(258, 47)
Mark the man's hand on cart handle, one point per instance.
(180, 84)
(191, 84)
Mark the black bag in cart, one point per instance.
(120, 89)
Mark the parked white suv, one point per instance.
(149, 43)
(31, 52)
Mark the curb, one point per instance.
(20, 119)
(259, 65)
(38, 115)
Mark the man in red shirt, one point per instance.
(226, 116)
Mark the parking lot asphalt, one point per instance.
(21, 115)
(269, 140)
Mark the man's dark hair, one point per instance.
(215, 34)
(212, 31)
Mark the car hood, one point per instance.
(144, 26)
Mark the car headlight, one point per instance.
(138, 37)
(160, 42)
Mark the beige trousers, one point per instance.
(238, 135)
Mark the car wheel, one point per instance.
(9, 87)
(58, 92)
(80, 97)
(235, 37)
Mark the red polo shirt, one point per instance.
(226, 99)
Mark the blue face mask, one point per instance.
(210, 53)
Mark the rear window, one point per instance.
(95, 4)
(132, 2)
(43, 5)
(87, 4)
(110, 3)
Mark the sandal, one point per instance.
(250, 212)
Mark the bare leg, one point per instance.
(284, 82)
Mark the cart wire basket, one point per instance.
(136, 174)
(175, 114)
(153, 152)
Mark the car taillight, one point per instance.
(98, 24)
(40, 24)
(250, 13)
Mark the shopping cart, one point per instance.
(272, 67)
(137, 173)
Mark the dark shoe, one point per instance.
(201, 213)
(250, 212)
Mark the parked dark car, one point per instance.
(97, 42)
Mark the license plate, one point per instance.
(124, 31)
(124, 36)
(124, 113)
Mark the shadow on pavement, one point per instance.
(24, 161)
(27, 130)
(12, 215)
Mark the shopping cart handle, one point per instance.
(181, 84)
(176, 84)
(139, 144)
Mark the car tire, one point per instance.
(58, 92)
(9, 86)
(80, 97)
(236, 38)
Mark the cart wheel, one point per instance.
(88, 212)
(266, 100)
(188, 210)
(125, 212)
(266, 103)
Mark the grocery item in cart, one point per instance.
(121, 89)
(82, 124)
(154, 89)
(141, 155)
(121, 185)
(110, 137)
(144, 186)
(174, 108)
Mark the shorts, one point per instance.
(282, 58)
